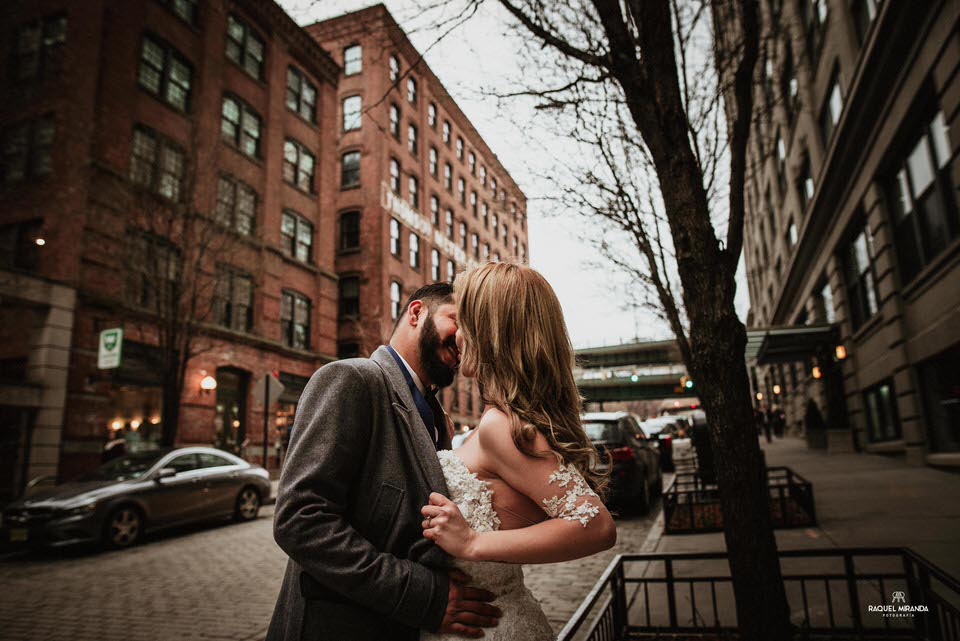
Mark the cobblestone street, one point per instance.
(216, 582)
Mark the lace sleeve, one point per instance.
(574, 504)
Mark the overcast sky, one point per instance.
(471, 61)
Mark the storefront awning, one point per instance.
(789, 343)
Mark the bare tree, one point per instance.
(658, 94)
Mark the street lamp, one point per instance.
(207, 383)
(817, 374)
(841, 352)
(759, 396)
(776, 390)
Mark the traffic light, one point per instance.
(686, 382)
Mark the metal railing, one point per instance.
(847, 593)
(692, 505)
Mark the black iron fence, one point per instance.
(692, 505)
(853, 593)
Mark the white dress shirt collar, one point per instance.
(413, 375)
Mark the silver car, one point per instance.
(147, 491)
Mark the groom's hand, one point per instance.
(468, 609)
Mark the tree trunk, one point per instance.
(721, 377)
(172, 392)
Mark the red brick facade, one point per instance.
(97, 97)
(382, 88)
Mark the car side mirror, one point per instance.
(165, 473)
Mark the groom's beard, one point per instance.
(439, 373)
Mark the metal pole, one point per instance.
(266, 415)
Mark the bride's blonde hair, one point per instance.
(516, 344)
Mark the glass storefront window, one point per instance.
(940, 387)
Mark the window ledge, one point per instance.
(868, 327)
(945, 459)
(886, 447)
(348, 252)
(235, 149)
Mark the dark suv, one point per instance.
(635, 479)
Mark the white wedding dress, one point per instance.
(522, 618)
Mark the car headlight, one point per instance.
(80, 510)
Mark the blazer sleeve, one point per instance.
(330, 440)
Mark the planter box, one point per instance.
(832, 594)
(692, 505)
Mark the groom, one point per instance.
(362, 462)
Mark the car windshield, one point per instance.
(652, 427)
(125, 468)
(601, 431)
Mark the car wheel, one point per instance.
(248, 504)
(123, 527)
(643, 501)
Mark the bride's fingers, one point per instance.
(431, 510)
(438, 499)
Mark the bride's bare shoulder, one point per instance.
(495, 434)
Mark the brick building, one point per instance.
(420, 195)
(852, 219)
(134, 134)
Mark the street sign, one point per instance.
(111, 344)
(265, 395)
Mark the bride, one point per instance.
(524, 487)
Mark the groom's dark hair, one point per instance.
(439, 293)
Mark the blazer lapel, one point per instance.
(426, 452)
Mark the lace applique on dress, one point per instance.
(568, 506)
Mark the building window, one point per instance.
(462, 191)
(244, 47)
(483, 175)
(791, 235)
(432, 116)
(469, 395)
(448, 176)
(19, 248)
(493, 187)
(486, 251)
(412, 139)
(352, 60)
(414, 251)
(446, 132)
(301, 95)
(860, 278)
(296, 237)
(523, 251)
(516, 245)
(157, 164)
(832, 108)
(473, 203)
(505, 231)
(394, 66)
(411, 91)
(449, 221)
(883, 423)
(413, 187)
(395, 175)
(348, 349)
(155, 268)
(472, 163)
(814, 24)
(295, 320)
(864, 12)
(825, 311)
(459, 148)
(395, 302)
(493, 224)
(298, 165)
(451, 270)
(165, 73)
(395, 121)
(352, 112)
(475, 244)
(233, 300)
(350, 231)
(434, 265)
(485, 215)
(395, 237)
(789, 85)
(433, 162)
(349, 297)
(241, 126)
(236, 205)
(186, 10)
(350, 170)
(463, 234)
(805, 184)
(26, 151)
(922, 199)
(940, 387)
(435, 211)
(38, 52)
(781, 165)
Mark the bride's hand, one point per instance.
(445, 526)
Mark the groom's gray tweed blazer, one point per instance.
(360, 466)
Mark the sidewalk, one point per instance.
(862, 500)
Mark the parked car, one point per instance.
(123, 499)
(636, 478)
(660, 430)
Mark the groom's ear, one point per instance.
(415, 312)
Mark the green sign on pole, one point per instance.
(111, 344)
